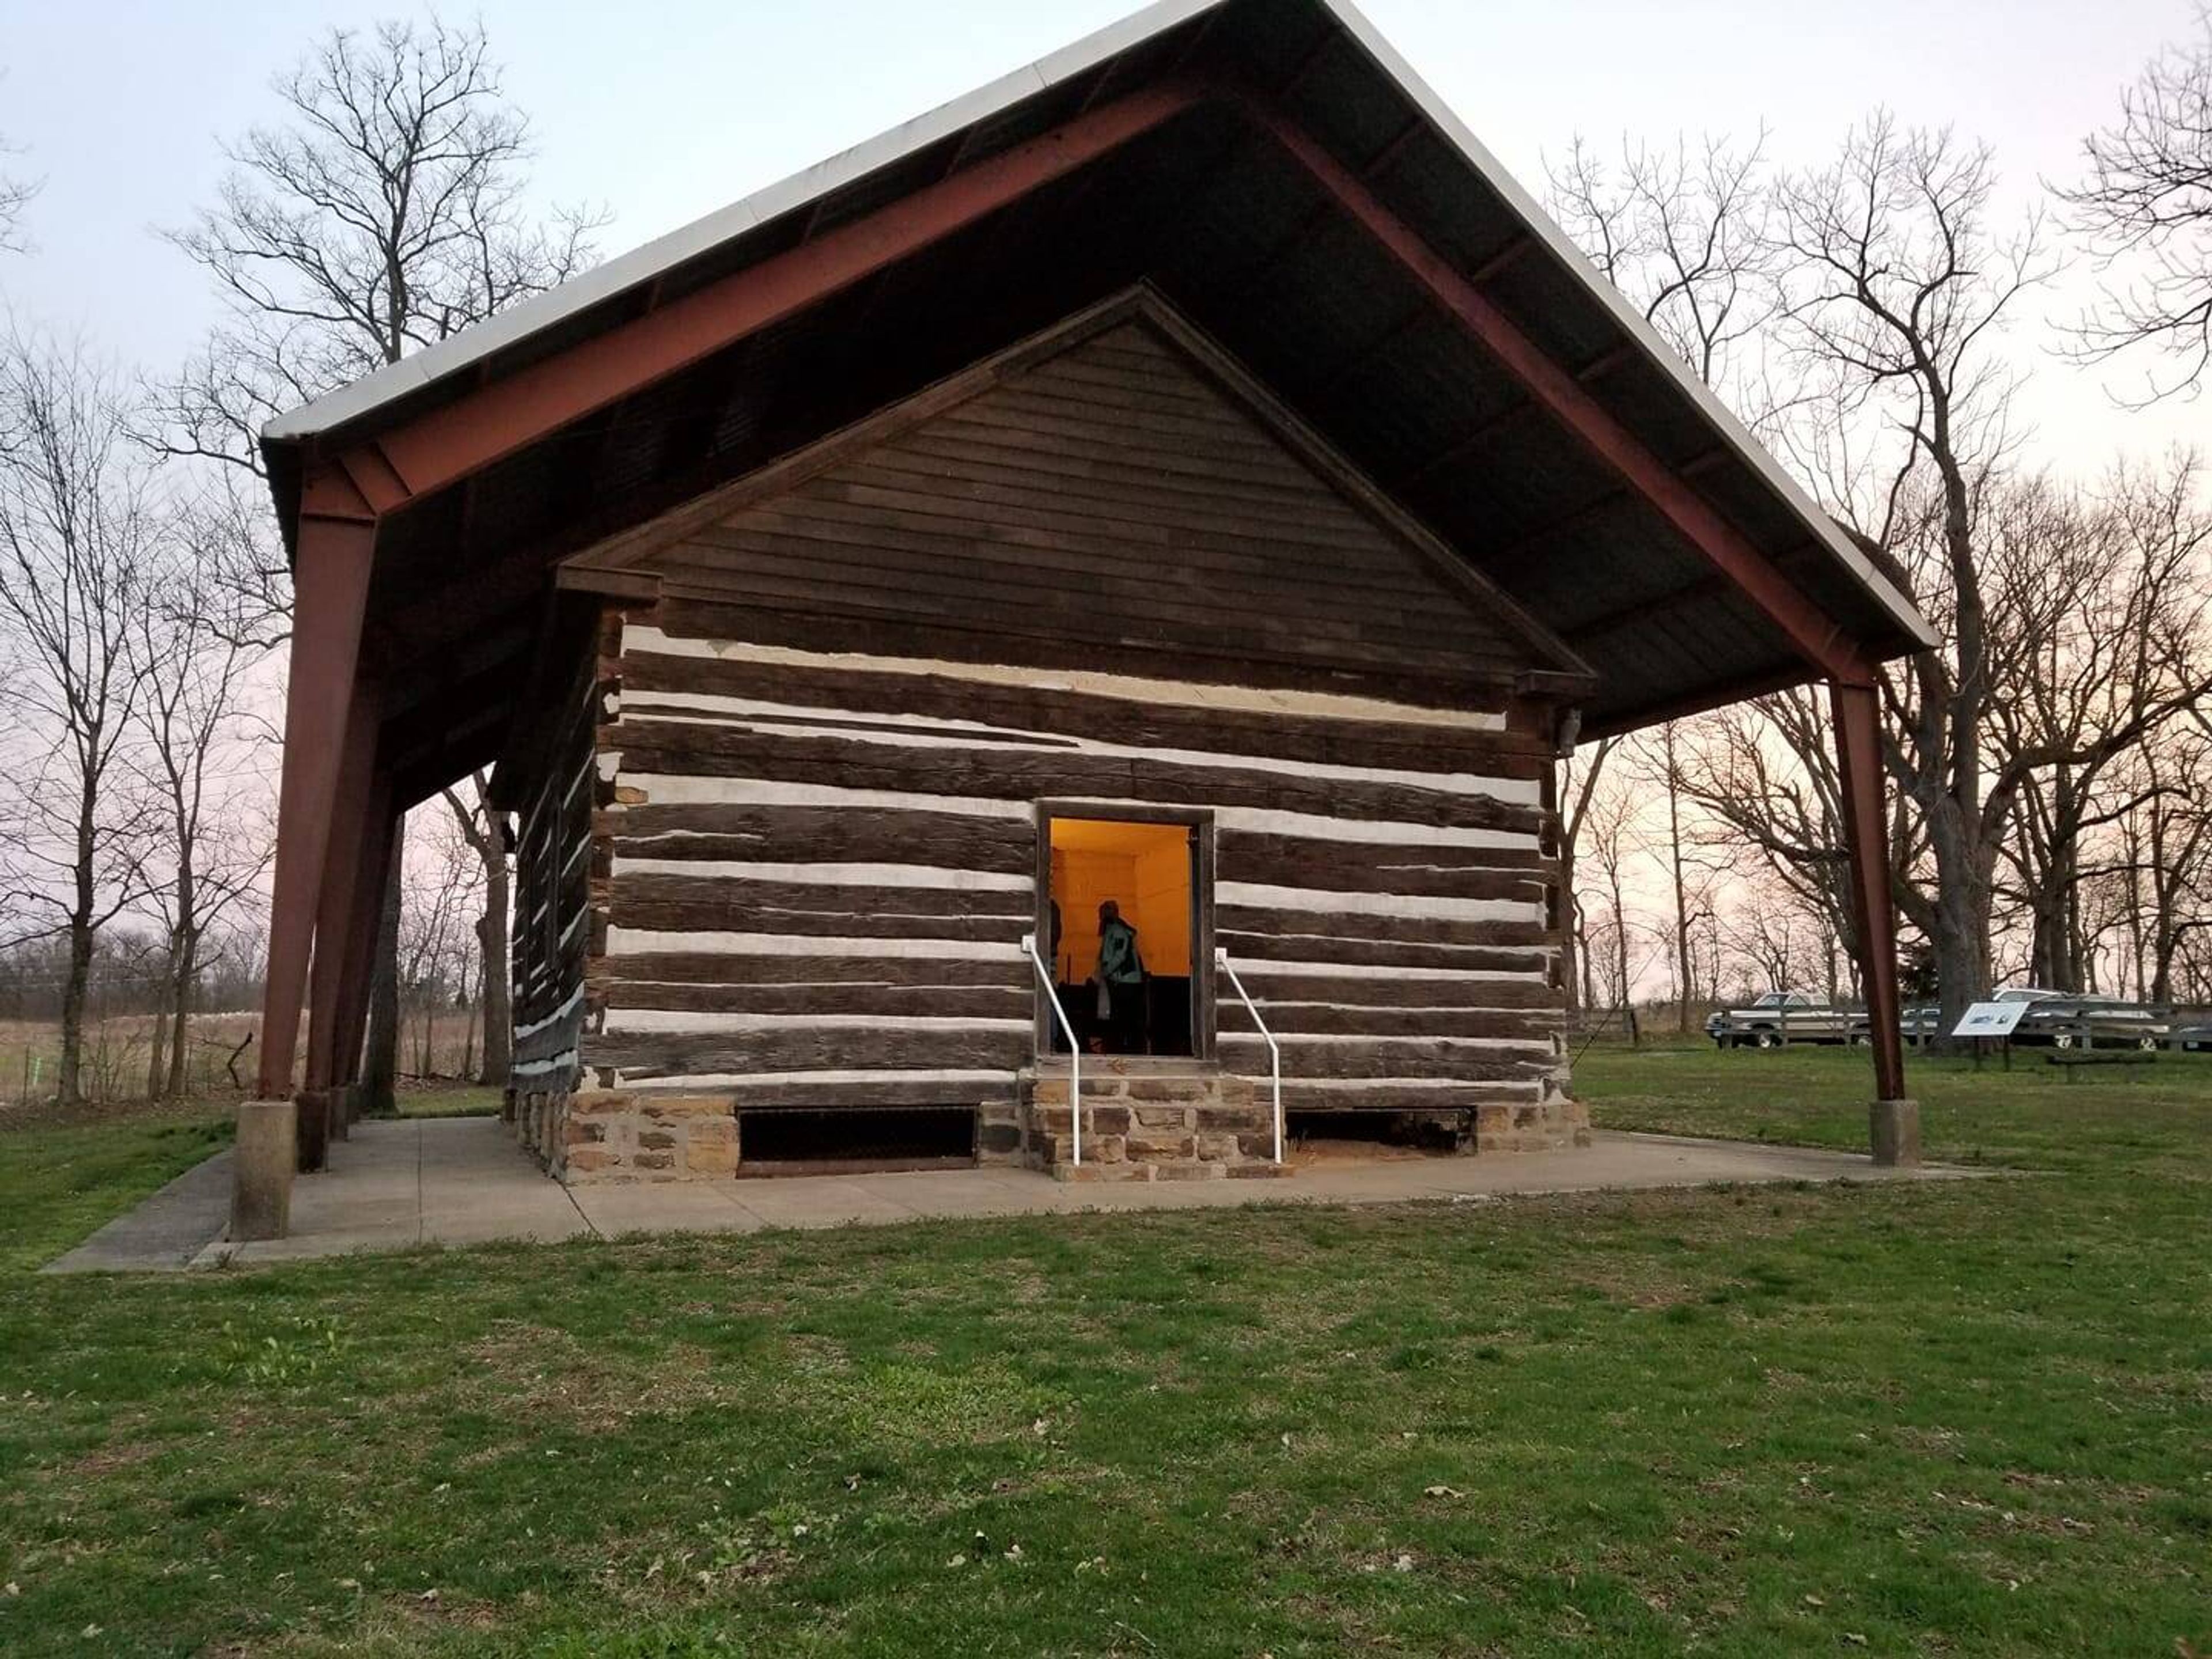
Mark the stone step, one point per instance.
(1090, 1174)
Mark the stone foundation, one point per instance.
(585, 1140)
(1549, 1126)
(1148, 1124)
(1139, 1124)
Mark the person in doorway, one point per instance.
(1121, 982)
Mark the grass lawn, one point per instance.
(62, 1176)
(1969, 1418)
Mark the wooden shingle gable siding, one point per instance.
(1115, 491)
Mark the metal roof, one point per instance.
(1332, 327)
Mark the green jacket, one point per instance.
(1119, 963)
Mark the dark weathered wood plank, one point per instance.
(1246, 920)
(633, 968)
(823, 835)
(656, 746)
(1373, 954)
(1391, 1058)
(887, 1001)
(696, 611)
(1382, 1098)
(891, 1047)
(1403, 745)
(1394, 991)
(1295, 1019)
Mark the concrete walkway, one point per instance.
(164, 1233)
(463, 1181)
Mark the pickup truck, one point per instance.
(1781, 1017)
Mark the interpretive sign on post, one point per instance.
(1991, 1019)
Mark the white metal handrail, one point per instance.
(1274, 1048)
(1074, 1047)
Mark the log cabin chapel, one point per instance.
(989, 643)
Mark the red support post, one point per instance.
(448, 443)
(321, 1118)
(363, 930)
(1818, 637)
(329, 581)
(1895, 1120)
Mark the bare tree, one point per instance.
(16, 193)
(1578, 779)
(1689, 882)
(1609, 839)
(485, 833)
(433, 955)
(1765, 775)
(2145, 207)
(1899, 283)
(387, 212)
(195, 724)
(2106, 602)
(76, 527)
(1684, 234)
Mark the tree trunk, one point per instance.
(1684, 971)
(379, 1063)
(492, 932)
(1960, 933)
(185, 970)
(156, 1071)
(69, 1074)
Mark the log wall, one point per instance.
(821, 868)
(553, 896)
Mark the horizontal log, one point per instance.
(1385, 1097)
(647, 1054)
(1296, 1018)
(667, 747)
(1423, 871)
(824, 834)
(1325, 739)
(889, 1001)
(737, 916)
(1408, 877)
(758, 580)
(688, 611)
(1340, 924)
(1374, 953)
(558, 1038)
(1389, 1058)
(735, 895)
(885, 1089)
(1390, 991)
(710, 968)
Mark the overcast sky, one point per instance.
(666, 110)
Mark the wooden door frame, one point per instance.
(1199, 822)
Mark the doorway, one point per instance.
(1127, 922)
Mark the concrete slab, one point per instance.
(464, 1180)
(165, 1232)
(704, 1207)
(809, 1202)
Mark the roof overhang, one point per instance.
(1276, 170)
